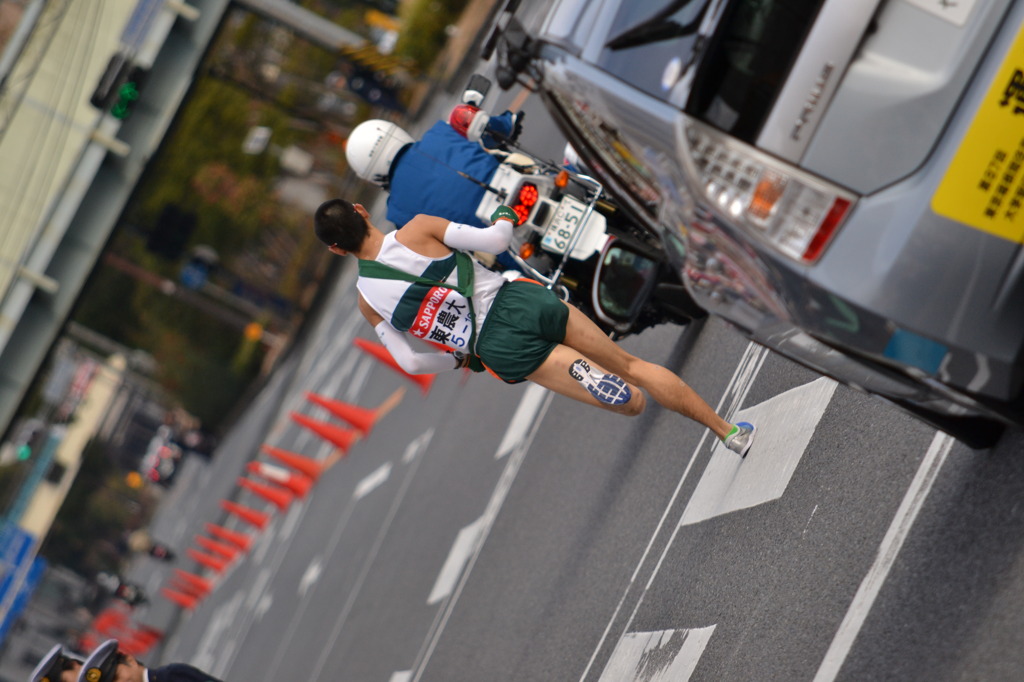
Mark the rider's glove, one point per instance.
(504, 213)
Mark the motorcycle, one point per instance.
(573, 238)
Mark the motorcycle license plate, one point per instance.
(564, 225)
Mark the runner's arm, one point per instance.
(398, 345)
(410, 360)
(434, 237)
(493, 239)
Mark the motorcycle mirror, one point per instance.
(623, 282)
(476, 90)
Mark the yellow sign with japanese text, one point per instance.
(984, 184)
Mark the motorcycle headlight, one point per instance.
(794, 212)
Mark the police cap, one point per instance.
(52, 665)
(101, 665)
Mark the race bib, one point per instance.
(443, 319)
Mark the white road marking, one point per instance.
(264, 541)
(739, 385)
(263, 605)
(372, 481)
(417, 445)
(291, 520)
(508, 476)
(312, 574)
(353, 594)
(257, 587)
(461, 550)
(402, 676)
(808, 524)
(359, 377)
(785, 424)
(900, 527)
(210, 647)
(523, 417)
(661, 656)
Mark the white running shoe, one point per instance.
(740, 438)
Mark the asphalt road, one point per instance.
(492, 532)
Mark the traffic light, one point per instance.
(119, 86)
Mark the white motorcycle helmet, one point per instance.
(371, 148)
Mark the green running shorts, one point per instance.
(525, 323)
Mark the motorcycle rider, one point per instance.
(441, 174)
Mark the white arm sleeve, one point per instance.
(407, 358)
(493, 239)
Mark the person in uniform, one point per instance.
(56, 666)
(107, 664)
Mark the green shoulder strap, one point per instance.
(464, 264)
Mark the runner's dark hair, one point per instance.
(338, 224)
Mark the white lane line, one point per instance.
(339, 624)
(900, 527)
(401, 676)
(418, 444)
(661, 656)
(461, 550)
(785, 424)
(311, 575)
(372, 481)
(211, 646)
(523, 417)
(508, 476)
(359, 377)
(740, 383)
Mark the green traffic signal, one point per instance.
(128, 93)
(24, 452)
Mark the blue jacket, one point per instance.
(424, 179)
(179, 672)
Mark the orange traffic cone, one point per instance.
(192, 579)
(149, 633)
(297, 483)
(239, 540)
(307, 465)
(279, 497)
(250, 516)
(378, 351)
(183, 600)
(189, 589)
(343, 438)
(229, 552)
(361, 418)
(141, 640)
(207, 560)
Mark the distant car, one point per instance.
(841, 180)
(162, 458)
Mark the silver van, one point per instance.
(842, 180)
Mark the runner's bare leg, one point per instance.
(667, 389)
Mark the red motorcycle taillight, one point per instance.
(525, 201)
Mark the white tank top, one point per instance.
(434, 314)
